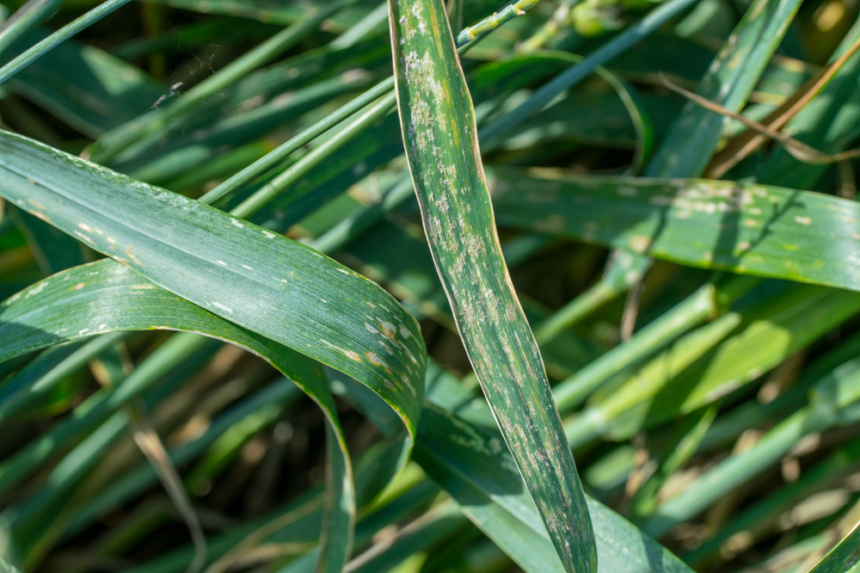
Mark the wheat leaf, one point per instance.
(742, 228)
(252, 277)
(467, 461)
(109, 298)
(438, 125)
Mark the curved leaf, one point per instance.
(438, 124)
(231, 267)
(271, 285)
(99, 298)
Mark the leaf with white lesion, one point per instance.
(438, 126)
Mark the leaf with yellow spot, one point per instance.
(741, 228)
(111, 299)
(438, 124)
(273, 286)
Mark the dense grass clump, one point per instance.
(556, 286)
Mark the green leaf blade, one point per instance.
(252, 277)
(107, 297)
(438, 125)
(742, 228)
(729, 81)
(468, 462)
(844, 558)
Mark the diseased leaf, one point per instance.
(54, 250)
(107, 298)
(438, 124)
(248, 275)
(467, 459)
(742, 228)
(729, 82)
(318, 307)
(700, 334)
(471, 465)
(827, 123)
